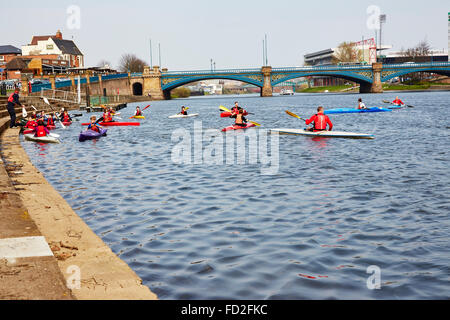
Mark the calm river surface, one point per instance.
(310, 231)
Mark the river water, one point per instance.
(311, 229)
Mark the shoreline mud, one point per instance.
(78, 250)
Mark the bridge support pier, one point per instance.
(152, 83)
(266, 90)
(376, 86)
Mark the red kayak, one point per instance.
(228, 114)
(67, 123)
(50, 127)
(235, 127)
(28, 131)
(115, 124)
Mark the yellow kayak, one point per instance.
(138, 117)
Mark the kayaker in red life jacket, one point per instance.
(240, 119)
(50, 121)
(33, 115)
(93, 126)
(40, 130)
(31, 124)
(236, 108)
(107, 117)
(183, 111)
(320, 121)
(397, 102)
(138, 112)
(65, 117)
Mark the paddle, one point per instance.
(294, 115)
(46, 101)
(228, 110)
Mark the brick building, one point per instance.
(54, 47)
(7, 53)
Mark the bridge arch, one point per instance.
(391, 75)
(185, 80)
(350, 76)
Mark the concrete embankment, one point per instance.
(66, 250)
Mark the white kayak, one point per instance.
(46, 139)
(176, 116)
(328, 134)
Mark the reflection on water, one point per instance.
(335, 207)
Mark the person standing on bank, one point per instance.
(13, 100)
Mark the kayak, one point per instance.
(328, 134)
(395, 106)
(68, 123)
(50, 127)
(91, 134)
(352, 110)
(138, 117)
(228, 114)
(46, 139)
(235, 127)
(176, 116)
(115, 124)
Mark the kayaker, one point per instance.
(33, 115)
(361, 104)
(183, 111)
(31, 124)
(397, 102)
(320, 121)
(40, 130)
(107, 117)
(236, 108)
(65, 117)
(240, 119)
(50, 121)
(41, 115)
(13, 101)
(93, 125)
(138, 112)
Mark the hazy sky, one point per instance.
(191, 32)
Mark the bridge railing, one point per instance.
(194, 72)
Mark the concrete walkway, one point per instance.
(28, 269)
(36, 220)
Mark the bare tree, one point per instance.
(422, 49)
(131, 63)
(347, 52)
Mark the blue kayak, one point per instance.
(353, 110)
(91, 134)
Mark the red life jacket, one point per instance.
(31, 124)
(40, 131)
(321, 122)
(138, 113)
(11, 97)
(50, 122)
(94, 127)
(66, 118)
